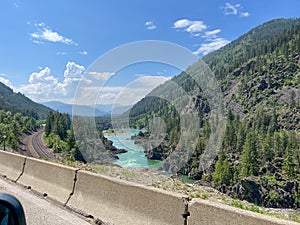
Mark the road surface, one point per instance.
(39, 211)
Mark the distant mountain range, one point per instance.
(19, 103)
(81, 110)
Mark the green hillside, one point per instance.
(259, 74)
(19, 103)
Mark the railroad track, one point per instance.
(33, 145)
(39, 145)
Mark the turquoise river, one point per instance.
(135, 157)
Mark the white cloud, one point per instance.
(73, 70)
(42, 76)
(237, 9)
(230, 9)
(193, 27)
(83, 53)
(121, 95)
(196, 26)
(211, 34)
(5, 81)
(181, 23)
(197, 29)
(137, 89)
(37, 42)
(150, 25)
(213, 45)
(45, 33)
(149, 81)
(245, 14)
(43, 86)
(61, 53)
(99, 76)
(109, 97)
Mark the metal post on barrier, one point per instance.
(4, 137)
(186, 212)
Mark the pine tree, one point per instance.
(71, 141)
(267, 152)
(290, 156)
(249, 164)
(241, 136)
(230, 136)
(49, 121)
(289, 166)
(223, 173)
(273, 122)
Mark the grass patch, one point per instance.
(101, 169)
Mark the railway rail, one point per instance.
(33, 145)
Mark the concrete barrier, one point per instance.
(11, 165)
(121, 202)
(204, 212)
(125, 203)
(53, 179)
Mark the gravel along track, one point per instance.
(33, 145)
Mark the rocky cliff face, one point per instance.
(263, 192)
(152, 151)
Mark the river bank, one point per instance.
(135, 155)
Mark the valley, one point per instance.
(258, 159)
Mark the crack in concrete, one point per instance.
(186, 212)
(73, 188)
(24, 164)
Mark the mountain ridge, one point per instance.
(17, 102)
(259, 74)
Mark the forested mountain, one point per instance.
(259, 74)
(19, 103)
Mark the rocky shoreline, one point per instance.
(151, 150)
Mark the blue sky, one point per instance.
(46, 46)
